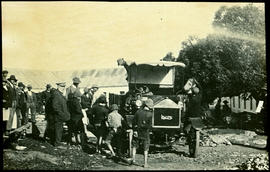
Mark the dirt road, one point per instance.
(210, 158)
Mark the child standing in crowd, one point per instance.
(114, 123)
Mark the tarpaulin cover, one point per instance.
(145, 74)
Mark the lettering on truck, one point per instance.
(163, 117)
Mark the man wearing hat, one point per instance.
(4, 74)
(31, 103)
(60, 114)
(100, 113)
(114, 123)
(142, 122)
(86, 99)
(21, 104)
(93, 94)
(75, 125)
(226, 111)
(13, 94)
(225, 108)
(73, 87)
(45, 96)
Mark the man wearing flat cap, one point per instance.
(60, 113)
(73, 87)
(31, 103)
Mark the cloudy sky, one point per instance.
(83, 35)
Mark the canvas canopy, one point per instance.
(161, 73)
(166, 103)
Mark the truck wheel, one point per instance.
(194, 142)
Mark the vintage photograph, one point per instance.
(98, 85)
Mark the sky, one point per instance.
(85, 35)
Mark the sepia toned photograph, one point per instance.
(98, 85)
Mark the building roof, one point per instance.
(107, 77)
(159, 63)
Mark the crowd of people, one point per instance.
(19, 102)
(83, 114)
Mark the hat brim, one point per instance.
(14, 79)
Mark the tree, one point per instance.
(224, 64)
(169, 57)
(248, 20)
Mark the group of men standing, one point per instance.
(67, 106)
(18, 103)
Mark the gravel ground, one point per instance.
(210, 158)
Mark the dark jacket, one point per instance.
(71, 89)
(86, 101)
(75, 109)
(142, 122)
(21, 100)
(7, 97)
(194, 106)
(45, 96)
(12, 93)
(100, 113)
(49, 112)
(59, 105)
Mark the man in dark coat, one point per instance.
(75, 125)
(86, 100)
(24, 106)
(49, 116)
(60, 112)
(21, 104)
(73, 87)
(100, 113)
(45, 96)
(193, 110)
(142, 122)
